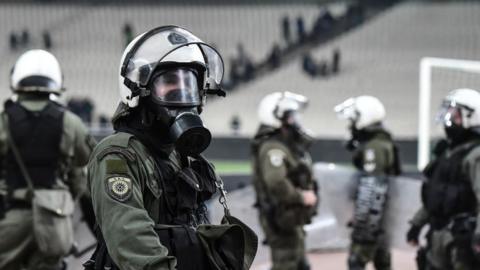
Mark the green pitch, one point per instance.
(233, 167)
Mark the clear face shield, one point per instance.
(451, 114)
(171, 44)
(176, 87)
(347, 111)
(453, 117)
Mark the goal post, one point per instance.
(427, 64)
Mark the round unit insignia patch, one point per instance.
(119, 188)
(276, 157)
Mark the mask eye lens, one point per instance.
(176, 87)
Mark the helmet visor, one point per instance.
(171, 44)
(450, 114)
(347, 110)
(177, 87)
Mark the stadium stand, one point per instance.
(88, 38)
(380, 58)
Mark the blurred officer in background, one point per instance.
(54, 146)
(451, 193)
(283, 178)
(376, 159)
(148, 181)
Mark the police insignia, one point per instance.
(369, 163)
(119, 188)
(276, 157)
(176, 39)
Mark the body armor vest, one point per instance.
(180, 209)
(370, 204)
(448, 191)
(37, 136)
(185, 192)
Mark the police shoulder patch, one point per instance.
(369, 160)
(276, 157)
(119, 188)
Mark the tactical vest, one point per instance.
(180, 210)
(37, 136)
(448, 192)
(370, 204)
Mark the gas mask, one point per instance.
(452, 117)
(296, 132)
(355, 134)
(175, 101)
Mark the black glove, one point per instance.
(413, 233)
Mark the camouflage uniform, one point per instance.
(282, 170)
(18, 248)
(457, 170)
(375, 156)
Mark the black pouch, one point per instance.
(188, 186)
(100, 259)
(462, 228)
(182, 242)
(207, 178)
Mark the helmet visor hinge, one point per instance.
(136, 90)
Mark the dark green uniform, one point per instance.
(375, 158)
(148, 203)
(282, 171)
(18, 248)
(451, 198)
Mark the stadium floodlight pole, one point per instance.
(426, 66)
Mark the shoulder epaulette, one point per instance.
(116, 144)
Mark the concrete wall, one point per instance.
(328, 230)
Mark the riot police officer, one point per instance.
(54, 147)
(283, 180)
(149, 181)
(376, 159)
(451, 193)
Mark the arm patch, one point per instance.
(276, 157)
(116, 166)
(119, 188)
(369, 161)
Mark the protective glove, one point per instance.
(413, 234)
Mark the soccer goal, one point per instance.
(427, 65)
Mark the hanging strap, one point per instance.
(218, 183)
(18, 157)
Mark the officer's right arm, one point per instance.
(274, 173)
(125, 224)
(420, 218)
